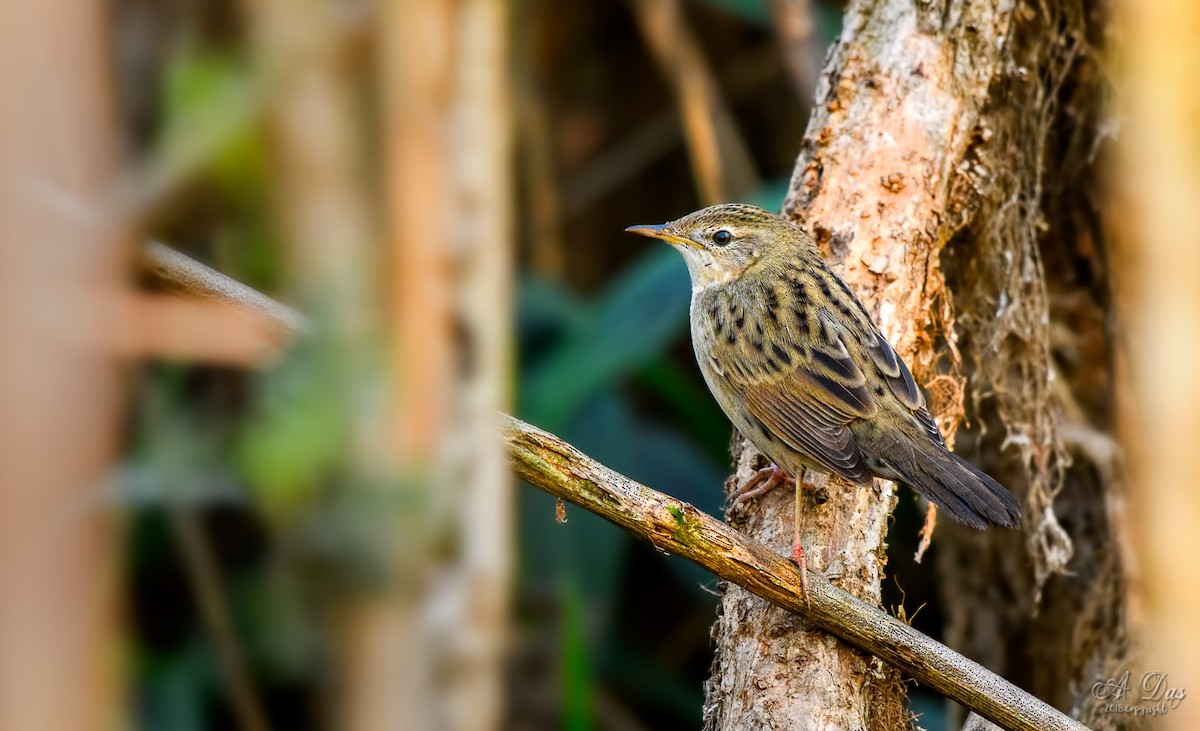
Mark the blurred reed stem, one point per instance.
(721, 162)
(1159, 190)
(64, 257)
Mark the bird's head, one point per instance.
(719, 243)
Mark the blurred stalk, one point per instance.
(543, 206)
(206, 581)
(63, 258)
(428, 653)
(481, 171)
(323, 204)
(320, 196)
(1160, 181)
(632, 154)
(388, 652)
(206, 316)
(721, 162)
(795, 27)
(424, 648)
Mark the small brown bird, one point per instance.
(801, 370)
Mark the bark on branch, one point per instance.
(556, 467)
(180, 273)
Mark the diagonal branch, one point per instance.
(556, 467)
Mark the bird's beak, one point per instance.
(661, 231)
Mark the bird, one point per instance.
(802, 371)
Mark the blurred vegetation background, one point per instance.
(262, 459)
(322, 535)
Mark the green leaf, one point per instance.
(543, 304)
(690, 403)
(173, 690)
(670, 463)
(641, 315)
(301, 432)
(546, 312)
(587, 548)
(210, 113)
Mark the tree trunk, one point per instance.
(932, 125)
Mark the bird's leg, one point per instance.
(816, 481)
(797, 545)
(760, 483)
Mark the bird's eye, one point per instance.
(722, 237)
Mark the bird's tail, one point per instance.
(957, 487)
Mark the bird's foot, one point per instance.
(759, 484)
(798, 559)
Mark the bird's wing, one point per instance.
(902, 385)
(806, 393)
(899, 378)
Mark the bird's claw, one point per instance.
(760, 483)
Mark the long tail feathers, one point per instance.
(958, 488)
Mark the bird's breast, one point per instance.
(723, 337)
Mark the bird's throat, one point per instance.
(709, 271)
